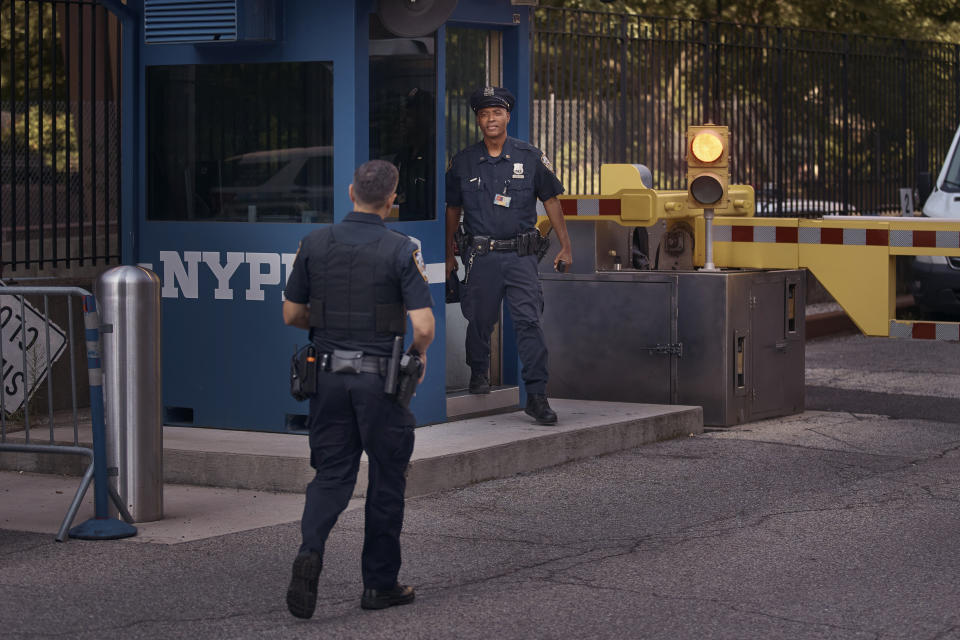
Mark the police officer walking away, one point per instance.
(349, 286)
(495, 184)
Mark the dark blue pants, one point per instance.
(494, 277)
(351, 414)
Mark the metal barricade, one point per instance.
(31, 345)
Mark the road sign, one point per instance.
(906, 202)
(24, 337)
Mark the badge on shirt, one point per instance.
(501, 200)
(421, 267)
(518, 170)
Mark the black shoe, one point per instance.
(302, 592)
(383, 598)
(479, 383)
(539, 409)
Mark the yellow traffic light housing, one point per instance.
(708, 172)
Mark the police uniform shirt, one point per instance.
(520, 173)
(408, 273)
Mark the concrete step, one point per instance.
(446, 456)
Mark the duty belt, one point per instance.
(503, 245)
(368, 364)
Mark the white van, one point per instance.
(935, 281)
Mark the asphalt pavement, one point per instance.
(841, 522)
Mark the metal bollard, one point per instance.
(129, 299)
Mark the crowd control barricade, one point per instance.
(31, 345)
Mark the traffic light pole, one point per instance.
(708, 235)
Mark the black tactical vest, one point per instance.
(354, 289)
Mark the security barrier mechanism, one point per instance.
(31, 345)
(854, 257)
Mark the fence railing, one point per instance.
(40, 406)
(820, 122)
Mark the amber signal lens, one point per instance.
(706, 147)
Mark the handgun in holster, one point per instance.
(403, 374)
(541, 245)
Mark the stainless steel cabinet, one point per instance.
(730, 341)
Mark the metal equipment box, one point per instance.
(731, 341)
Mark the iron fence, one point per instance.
(820, 122)
(59, 134)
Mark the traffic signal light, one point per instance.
(708, 172)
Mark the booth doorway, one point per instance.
(474, 58)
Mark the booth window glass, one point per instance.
(240, 142)
(403, 120)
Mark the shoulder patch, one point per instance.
(421, 267)
(546, 162)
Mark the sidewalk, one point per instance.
(216, 480)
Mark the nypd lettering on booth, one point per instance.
(236, 275)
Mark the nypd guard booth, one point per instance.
(243, 123)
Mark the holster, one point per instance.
(462, 242)
(473, 248)
(411, 367)
(532, 243)
(303, 373)
(543, 246)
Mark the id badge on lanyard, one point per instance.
(502, 199)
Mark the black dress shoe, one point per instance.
(479, 383)
(539, 409)
(383, 598)
(302, 592)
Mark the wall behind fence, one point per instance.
(820, 122)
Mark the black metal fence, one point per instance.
(59, 134)
(820, 122)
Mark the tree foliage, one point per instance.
(912, 19)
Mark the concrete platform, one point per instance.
(215, 478)
(446, 456)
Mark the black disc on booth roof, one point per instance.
(414, 18)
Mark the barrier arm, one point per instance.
(853, 257)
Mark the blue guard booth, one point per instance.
(244, 122)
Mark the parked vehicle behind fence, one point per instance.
(935, 280)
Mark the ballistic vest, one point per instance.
(355, 291)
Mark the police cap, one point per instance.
(492, 97)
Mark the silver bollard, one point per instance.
(129, 299)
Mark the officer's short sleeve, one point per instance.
(453, 194)
(545, 181)
(298, 285)
(413, 277)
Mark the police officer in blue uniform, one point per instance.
(352, 286)
(494, 184)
